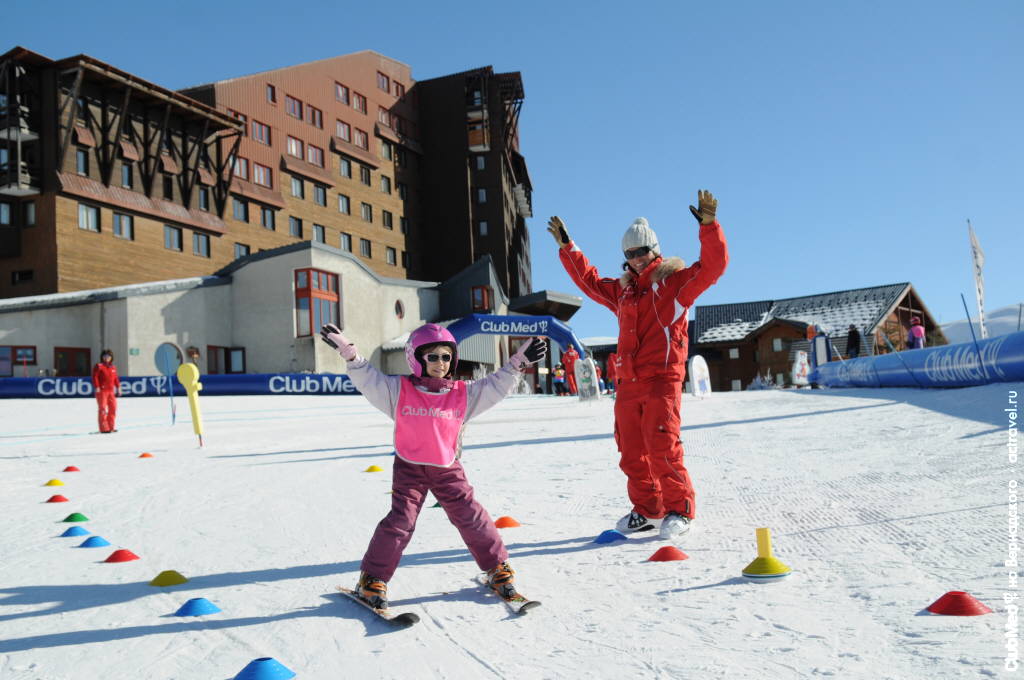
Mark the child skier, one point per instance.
(430, 409)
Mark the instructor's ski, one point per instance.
(400, 620)
(518, 605)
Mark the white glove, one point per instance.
(530, 352)
(331, 334)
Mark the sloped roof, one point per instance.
(833, 312)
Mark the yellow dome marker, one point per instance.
(373, 468)
(54, 482)
(765, 566)
(168, 578)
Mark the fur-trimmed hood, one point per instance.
(661, 271)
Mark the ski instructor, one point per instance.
(651, 301)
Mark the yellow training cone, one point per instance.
(168, 578)
(373, 468)
(765, 566)
(54, 482)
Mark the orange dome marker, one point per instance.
(506, 523)
(669, 553)
(147, 455)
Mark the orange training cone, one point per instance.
(506, 523)
(669, 553)
(146, 455)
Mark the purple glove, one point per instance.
(331, 334)
(530, 352)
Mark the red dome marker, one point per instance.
(146, 455)
(71, 468)
(57, 499)
(122, 556)
(506, 522)
(958, 603)
(669, 553)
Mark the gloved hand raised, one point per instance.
(530, 352)
(706, 207)
(557, 229)
(331, 334)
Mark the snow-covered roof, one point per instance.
(82, 297)
(833, 312)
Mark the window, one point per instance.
(387, 150)
(127, 175)
(344, 205)
(405, 259)
(403, 223)
(481, 195)
(385, 184)
(204, 199)
(292, 106)
(481, 297)
(298, 187)
(262, 175)
(19, 276)
(241, 250)
(341, 93)
(481, 162)
(364, 175)
(224, 359)
(168, 187)
(267, 218)
(319, 233)
(734, 353)
(403, 190)
(320, 194)
(383, 82)
(124, 226)
(391, 256)
(295, 226)
(736, 386)
(261, 132)
(88, 217)
(5, 214)
(361, 139)
(387, 219)
(201, 244)
(776, 344)
(295, 147)
(483, 227)
(314, 116)
(399, 90)
(383, 117)
(30, 214)
(315, 155)
(82, 162)
(271, 94)
(346, 242)
(316, 300)
(345, 167)
(172, 238)
(240, 117)
(359, 102)
(343, 130)
(240, 209)
(242, 168)
(366, 212)
(364, 248)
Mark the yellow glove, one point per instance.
(557, 229)
(707, 204)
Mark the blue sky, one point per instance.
(847, 142)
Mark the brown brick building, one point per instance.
(106, 179)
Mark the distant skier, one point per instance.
(609, 372)
(651, 300)
(569, 358)
(853, 342)
(107, 386)
(430, 409)
(915, 336)
(559, 381)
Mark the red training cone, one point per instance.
(122, 556)
(57, 499)
(71, 468)
(669, 553)
(958, 603)
(506, 522)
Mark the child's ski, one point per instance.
(518, 605)
(401, 620)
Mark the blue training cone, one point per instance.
(610, 536)
(76, 531)
(198, 606)
(94, 542)
(266, 668)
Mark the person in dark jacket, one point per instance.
(853, 342)
(108, 388)
(651, 301)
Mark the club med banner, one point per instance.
(155, 386)
(491, 324)
(999, 359)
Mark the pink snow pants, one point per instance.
(410, 483)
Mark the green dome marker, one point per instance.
(76, 517)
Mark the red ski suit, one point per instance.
(650, 364)
(569, 358)
(107, 385)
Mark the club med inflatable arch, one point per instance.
(492, 324)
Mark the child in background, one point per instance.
(430, 409)
(108, 388)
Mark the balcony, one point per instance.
(18, 182)
(479, 137)
(522, 198)
(14, 128)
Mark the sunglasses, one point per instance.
(434, 358)
(636, 252)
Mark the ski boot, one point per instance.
(502, 579)
(372, 590)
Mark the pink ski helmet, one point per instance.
(915, 320)
(425, 336)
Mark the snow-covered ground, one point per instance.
(880, 501)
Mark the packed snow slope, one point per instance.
(880, 501)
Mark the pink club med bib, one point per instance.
(427, 424)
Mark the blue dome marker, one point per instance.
(94, 542)
(76, 531)
(198, 606)
(266, 668)
(610, 536)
